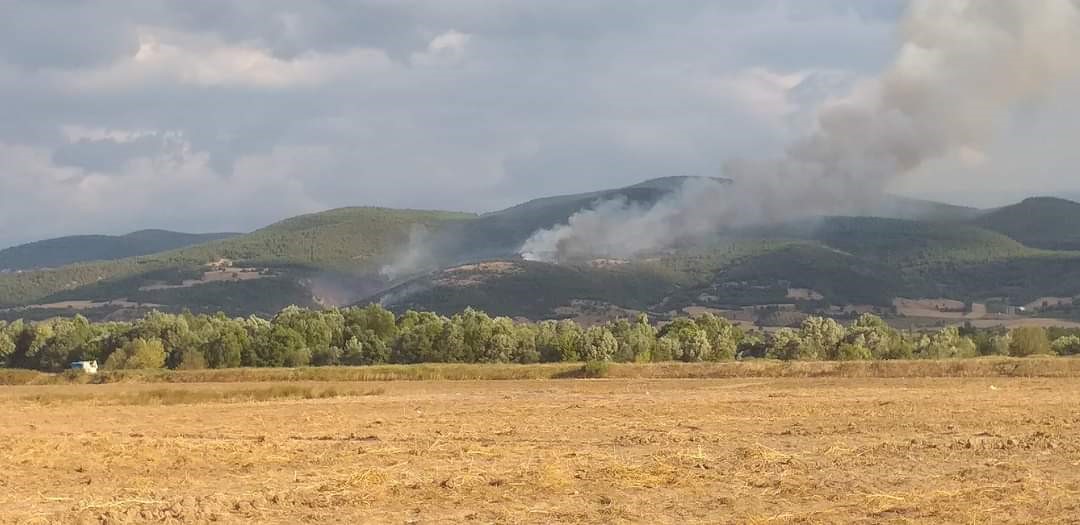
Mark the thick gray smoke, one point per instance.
(961, 65)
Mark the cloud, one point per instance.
(228, 114)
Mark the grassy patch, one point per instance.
(188, 396)
(975, 367)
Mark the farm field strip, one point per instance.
(741, 450)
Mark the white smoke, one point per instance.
(960, 67)
(415, 257)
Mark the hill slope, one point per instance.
(1039, 222)
(336, 256)
(51, 253)
(350, 240)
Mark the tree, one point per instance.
(282, 346)
(571, 340)
(374, 317)
(317, 329)
(366, 349)
(785, 344)
(636, 339)
(227, 345)
(600, 344)
(945, 344)
(172, 330)
(665, 349)
(191, 359)
(821, 338)
(723, 336)
(997, 345)
(7, 347)
(417, 333)
(687, 340)
(1068, 345)
(138, 354)
(449, 346)
(875, 335)
(559, 341)
(525, 344)
(1029, 340)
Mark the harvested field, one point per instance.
(739, 450)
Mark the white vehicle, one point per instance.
(87, 367)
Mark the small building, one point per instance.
(86, 367)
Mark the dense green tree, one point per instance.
(373, 317)
(228, 344)
(316, 328)
(282, 346)
(417, 333)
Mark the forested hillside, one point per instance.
(1040, 222)
(925, 249)
(358, 240)
(80, 248)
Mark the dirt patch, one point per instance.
(474, 274)
(936, 308)
(804, 294)
(1047, 303)
(589, 313)
(84, 305)
(212, 276)
(805, 450)
(488, 267)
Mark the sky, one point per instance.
(227, 115)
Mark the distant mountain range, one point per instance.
(445, 261)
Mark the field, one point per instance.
(825, 449)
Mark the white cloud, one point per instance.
(228, 114)
(169, 56)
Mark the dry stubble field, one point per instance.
(752, 450)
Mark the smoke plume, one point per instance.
(960, 66)
(416, 257)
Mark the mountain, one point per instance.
(844, 260)
(80, 248)
(1040, 222)
(349, 241)
(445, 261)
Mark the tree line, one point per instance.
(374, 335)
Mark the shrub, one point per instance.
(138, 354)
(595, 369)
(1068, 345)
(191, 359)
(1029, 340)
